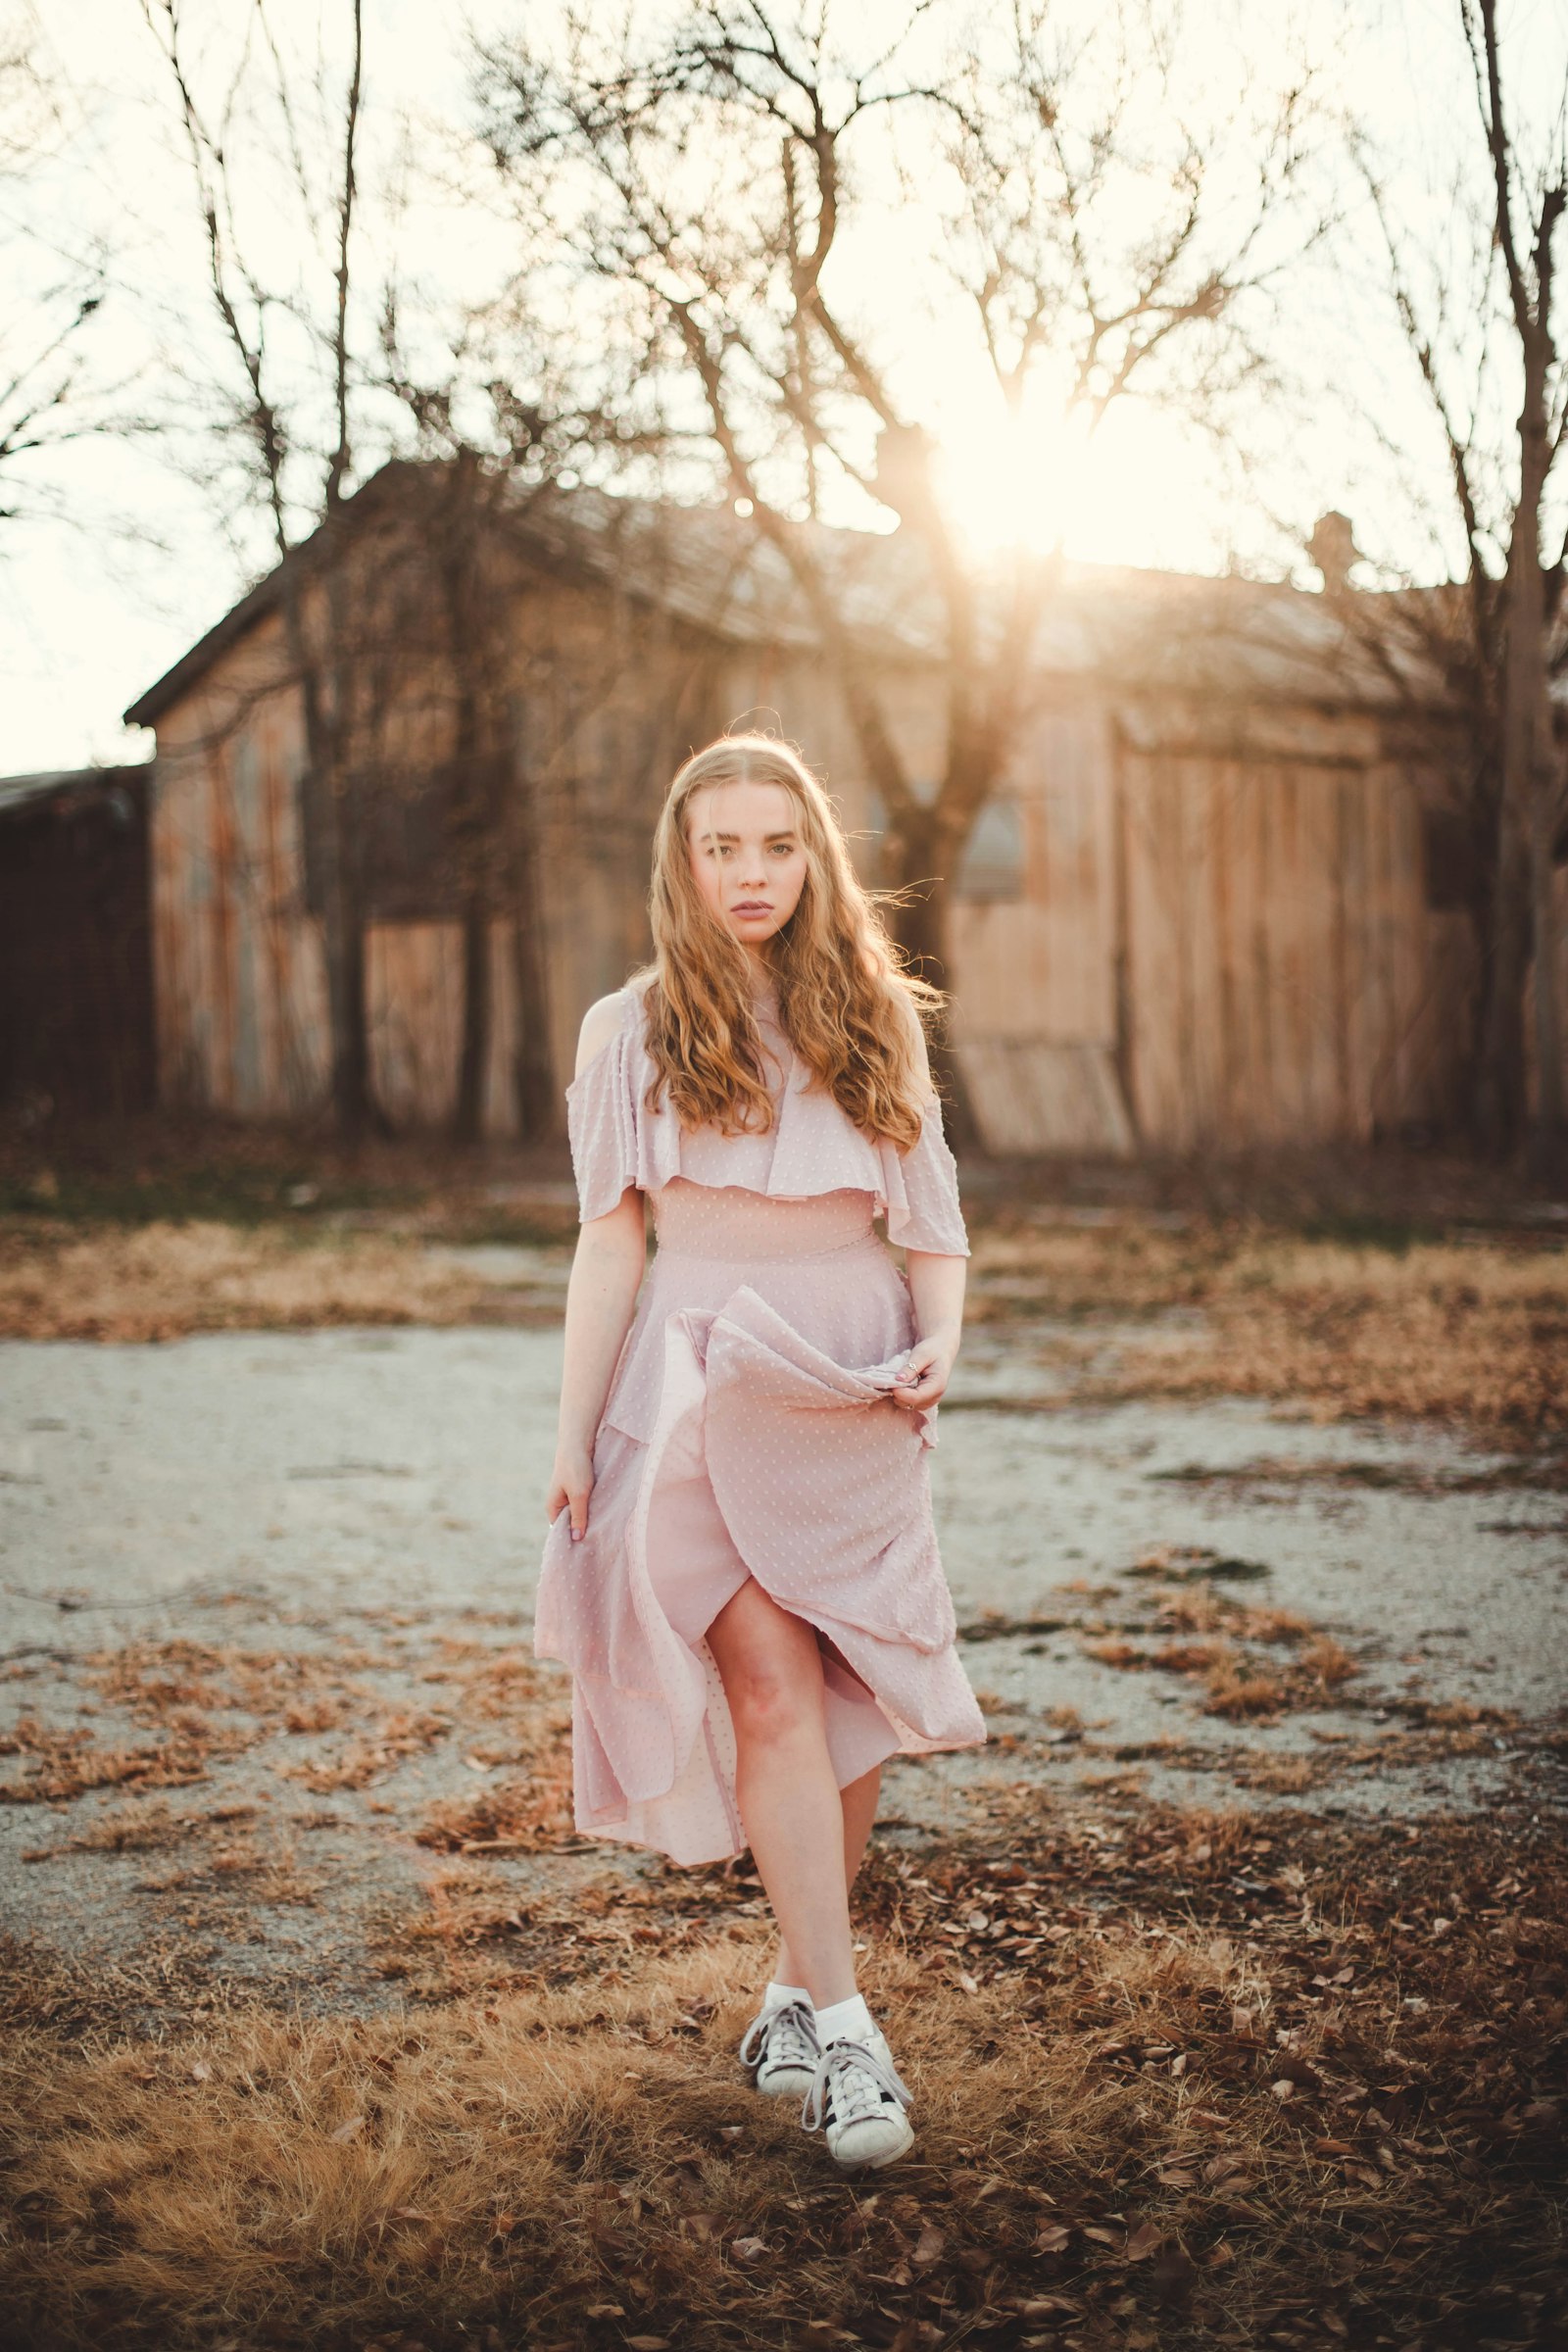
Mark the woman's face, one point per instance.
(747, 857)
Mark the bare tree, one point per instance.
(1527, 219)
(56, 385)
(718, 172)
(1471, 659)
(500, 420)
(287, 418)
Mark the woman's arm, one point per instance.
(606, 1273)
(937, 1284)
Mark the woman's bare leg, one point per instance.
(785, 1785)
(858, 1802)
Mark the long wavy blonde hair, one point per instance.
(846, 1000)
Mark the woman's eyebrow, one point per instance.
(788, 834)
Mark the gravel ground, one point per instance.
(370, 1501)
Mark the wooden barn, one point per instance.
(1203, 911)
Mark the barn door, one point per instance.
(1036, 1020)
(1278, 981)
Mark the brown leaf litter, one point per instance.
(1181, 2080)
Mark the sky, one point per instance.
(125, 555)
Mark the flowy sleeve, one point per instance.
(922, 1189)
(602, 1128)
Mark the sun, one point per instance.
(1128, 490)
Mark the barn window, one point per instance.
(992, 865)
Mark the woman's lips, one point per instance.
(752, 907)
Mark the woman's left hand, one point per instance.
(925, 1375)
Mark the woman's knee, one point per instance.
(772, 1670)
(768, 1707)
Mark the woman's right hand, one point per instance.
(571, 1481)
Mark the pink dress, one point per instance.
(748, 1432)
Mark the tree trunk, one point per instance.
(1499, 1097)
(912, 852)
(468, 1120)
(1547, 1136)
(540, 1114)
(1502, 1090)
(337, 859)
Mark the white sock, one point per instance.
(775, 1994)
(845, 2021)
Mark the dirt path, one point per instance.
(268, 1685)
(1232, 1976)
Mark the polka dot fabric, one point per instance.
(748, 1432)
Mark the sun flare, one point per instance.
(1129, 491)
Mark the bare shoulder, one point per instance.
(601, 1025)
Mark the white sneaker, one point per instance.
(781, 2046)
(858, 2099)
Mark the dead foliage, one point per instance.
(1237, 1682)
(60, 1764)
(164, 1281)
(1181, 2079)
(1474, 1331)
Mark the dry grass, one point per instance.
(1174, 2089)
(1237, 1682)
(1476, 1335)
(164, 1281)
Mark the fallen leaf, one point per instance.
(348, 2130)
(201, 2072)
(968, 1982)
(1177, 2180)
(1145, 2240)
(1172, 2274)
(648, 2343)
(748, 2249)
(606, 2311)
(1053, 2237)
(928, 2247)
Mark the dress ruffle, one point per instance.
(766, 1458)
(812, 1147)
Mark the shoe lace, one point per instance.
(786, 2034)
(856, 2078)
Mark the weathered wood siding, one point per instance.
(1036, 1014)
(1285, 978)
(240, 982)
(1219, 935)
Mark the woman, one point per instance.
(742, 1570)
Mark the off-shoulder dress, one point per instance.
(748, 1430)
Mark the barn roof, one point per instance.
(1137, 630)
(66, 787)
